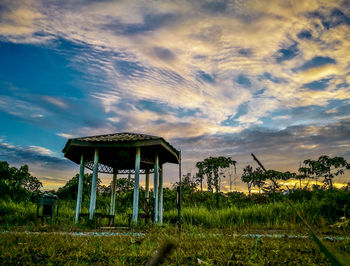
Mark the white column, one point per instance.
(155, 187)
(147, 185)
(112, 206)
(160, 214)
(80, 189)
(135, 207)
(93, 186)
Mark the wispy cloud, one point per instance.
(199, 72)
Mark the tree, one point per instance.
(124, 184)
(247, 177)
(259, 178)
(188, 183)
(327, 168)
(18, 184)
(253, 178)
(200, 174)
(70, 189)
(275, 176)
(212, 168)
(303, 173)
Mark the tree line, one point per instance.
(325, 168)
(18, 184)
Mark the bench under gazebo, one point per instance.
(122, 153)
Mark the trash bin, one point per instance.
(46, 205)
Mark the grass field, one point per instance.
(192, 246)
(208, 237)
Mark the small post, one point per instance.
(179, 194)
(93, 186)
(155, 187)
(135, 210)
(160, 215)
(80, 189)
(112, 206)
(147, 185)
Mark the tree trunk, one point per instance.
(217, 200)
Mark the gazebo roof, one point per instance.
(117, 151)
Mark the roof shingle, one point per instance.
(124, 136)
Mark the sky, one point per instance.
(214, 78)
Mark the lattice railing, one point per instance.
(102, 168)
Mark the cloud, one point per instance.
(280, 150)
(201, 73)
(308, 146)
(40, 150)
(20, 20)
(156, 37)
(55, 101)
(21, 108)
(31, 155)
(64, 135)
(318, 73)
(281, 117)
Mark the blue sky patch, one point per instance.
(38, 69)
(272, 78)
(242, 110)
(305, 34)
(128, 68)
(245, 52)
(153, 106)
(206, 77)
(317, 61)
(287, 53)
(244, 81)
(317, 85)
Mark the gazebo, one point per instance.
(122, 153)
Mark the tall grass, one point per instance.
(268, 215)
(273, 214)
(16, 213)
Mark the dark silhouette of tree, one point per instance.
(247, 177)
(327, 168)
(200, 174)
(254, 178)
(18, 184)
(259, 178)
(276, 176)
(303, 173)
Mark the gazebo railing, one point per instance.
(102, 168)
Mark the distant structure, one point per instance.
(122, 153)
